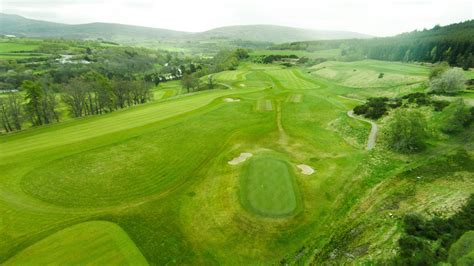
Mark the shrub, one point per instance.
(381, 75)
(360, 109)
(406, 130)
(458, 117)
(438, 70)
(374, 108)
(426, 241)
(450, 82)
(439, 105)
(462, 250)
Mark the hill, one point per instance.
(21, 26)
(452, 43)
(275, 34)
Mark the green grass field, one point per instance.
(153, 182)
(14, 46)
(18, 50)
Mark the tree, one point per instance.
(48, 101)
(41, 101)
(406, 130)
(459, 116)
(140, 92)
(74, 95)
(438, 70)
(241, 53)
(189, 81)
(434, 53)
(15, 109)
(5, 118)
(100, 93)
(34, 94)
(11, 112)
(450, 82)
(121, 92)
(210, 82)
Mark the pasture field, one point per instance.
(12, 46)
(154, 183)
(18, 49)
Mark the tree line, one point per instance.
(452, 43)
(92, 93)
(223, 60)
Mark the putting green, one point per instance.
(267, 187)
(90, 243)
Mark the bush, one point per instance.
(462, 250)
(377, 107)
(361, 109)
(450, 82)
(381, 75)
(458, 117)
(439, 105)
(438, 70)
(418, 98)
(406, 130)
(426, 241)
(414, 251)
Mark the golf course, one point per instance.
(212, 177)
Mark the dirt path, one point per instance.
(373, 130)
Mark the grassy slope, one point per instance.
(90, 243)
(160, 170)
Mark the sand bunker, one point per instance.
(230, 100)
(305, 169)
(241, 158)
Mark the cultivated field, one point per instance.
(153, 183)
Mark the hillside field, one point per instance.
(154, 184)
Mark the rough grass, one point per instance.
(366, 73)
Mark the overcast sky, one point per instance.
(376, 17)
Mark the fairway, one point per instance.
(267, 187)
(92, 243)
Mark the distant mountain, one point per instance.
(276, 34)
(21, 26)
